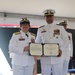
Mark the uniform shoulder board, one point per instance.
(41, 26)
(32, 34)
(16, 33)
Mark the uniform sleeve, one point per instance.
(38, 37)
(71, 46)
(14, 47)
(65, 39)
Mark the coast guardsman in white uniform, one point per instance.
(51, 33)
(68, 51)
(22, 63)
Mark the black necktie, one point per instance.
(26, 35)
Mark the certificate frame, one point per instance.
(51, 49)
(35, 49)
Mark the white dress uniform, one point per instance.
(21, 60)
(67, 53)
(46, 34)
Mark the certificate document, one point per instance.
(51, 49)
(36, 49)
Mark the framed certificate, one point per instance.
(51, 49)
(35, 49)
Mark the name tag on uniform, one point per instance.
(21, 39)
(43, 31)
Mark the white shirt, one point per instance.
(46, 34)
(16, 45)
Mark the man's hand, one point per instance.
(26, 48)
(60, 53)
